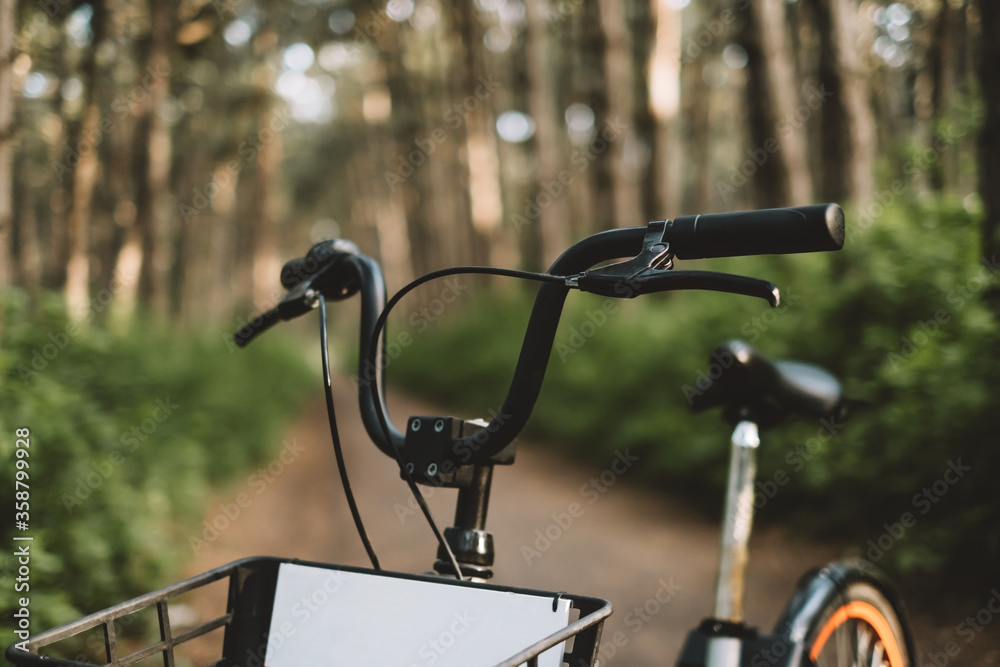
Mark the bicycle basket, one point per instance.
(252, 617)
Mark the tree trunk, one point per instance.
(206, 241)
(664, 103)
(446, 170)
(29, 260)
(400, 176)
(550, 142)
(6, 139)
(989, 138)
(849, 142)
(52, 232)
(780, 174)
(696, 179)
(77, 286)
(641, 26)
(126, 264)
(940, 56)
(266, 263)
(383, 218)
(481, 165)
(84, 180)
(598, 200)
(625, 147)
(153, 219)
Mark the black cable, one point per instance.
(373, 386)
(338, 450)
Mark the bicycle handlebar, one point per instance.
(769, 231)
(777, 231)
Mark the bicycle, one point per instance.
(838, 613)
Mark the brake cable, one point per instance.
(337, 448)
(380, 325)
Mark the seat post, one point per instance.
(735, 536)
(737, 523)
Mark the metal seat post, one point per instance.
(723, 650)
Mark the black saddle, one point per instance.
(750, 387)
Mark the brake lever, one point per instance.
(648, 282)
(654, 256)
(298, 302)
(301, 299)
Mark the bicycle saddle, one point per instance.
(749, 386)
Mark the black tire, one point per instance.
(845, 616)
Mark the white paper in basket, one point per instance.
(331, 617)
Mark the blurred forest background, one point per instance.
(177, 153)
(159, 161)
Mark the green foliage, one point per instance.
(896, 316)
(128, 435)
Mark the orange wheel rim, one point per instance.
(870, 615)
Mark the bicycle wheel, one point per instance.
(861, 628)
(843, 616)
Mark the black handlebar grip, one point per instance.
(295, 271)
(773, 231)
(256, 326)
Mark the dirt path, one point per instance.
(625, 546)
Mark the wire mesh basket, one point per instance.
(223, 617)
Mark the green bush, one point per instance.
(897, 316)
(128, 435)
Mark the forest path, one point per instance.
(624, 544)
